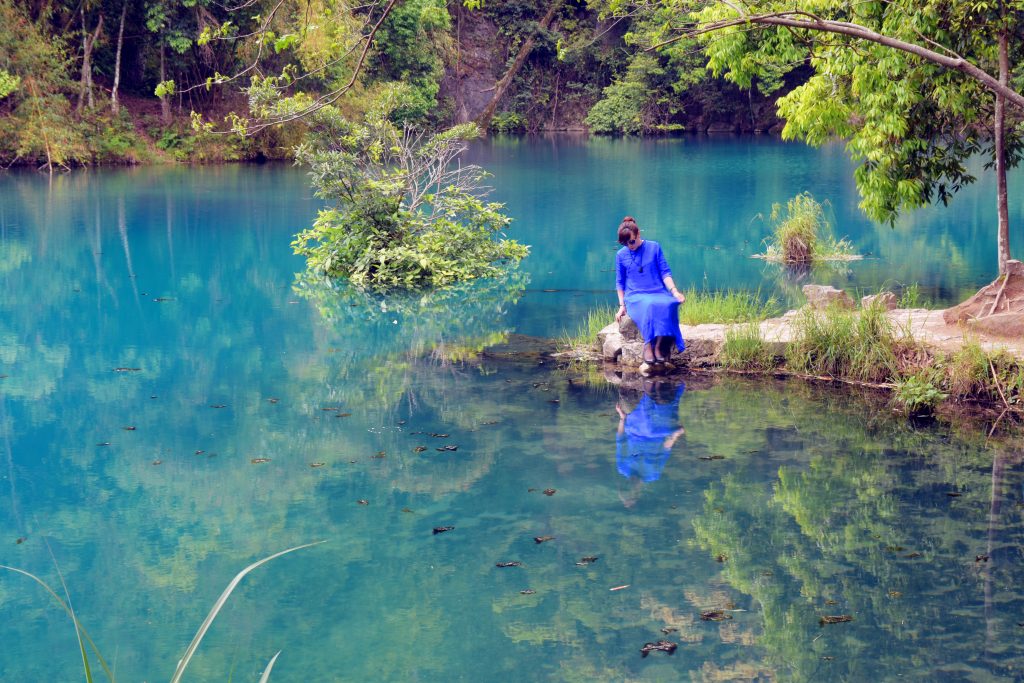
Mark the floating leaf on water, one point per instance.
(954, 494)
(258, 461)
(721, 557)
(711, 457)
(439, 436)
(447, 448)
(669, 629)
(584, 561)
(912, 555)
(20, 540)
(343, 415)
(831, 602)
(550, 492)
(401, 422)
(895, 594)
(273, 400)
(553, 400)
(161, 299)
(509, 564)
(123, 370)
(894, 548)
(218, 405)
(158, 462)
(199, 452)
(714, 615)
(489, 422)
(827, 658)
(316, 464)
(407, 510)
(660, 646)
(619, 588)
(981, 558)
(380, 454)
(530, 490)
(103, 443)
(543, 539)
(442, 529)
(362, 501)
(129, 428)
(835, 619)
(330, 409)
(527, 591)
(419, 449)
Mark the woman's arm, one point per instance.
(666, 276)
(622, 305)
(670, 285)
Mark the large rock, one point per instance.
(820, 297)
(611, 348)
(632, 353)
(628, 329)
(887, 300)
(609, 330)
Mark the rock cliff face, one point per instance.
(553, 95)
(468, 82)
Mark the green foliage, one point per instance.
(8, 83)
(508, 122)
(725, 307)
(844, 344)
(624, 103)
(802, 235)
(404, 216)
(911, 297)
(912, 134)
(745, 349)
(917, 393)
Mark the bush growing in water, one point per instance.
(803, 235)
(405, 216)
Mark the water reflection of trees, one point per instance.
(872, 533)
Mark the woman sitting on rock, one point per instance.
(647, 293)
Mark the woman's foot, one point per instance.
(659, 355)
(649, 356)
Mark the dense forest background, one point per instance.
(79, 79)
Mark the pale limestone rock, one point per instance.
(820, 297)
(632, 353)
(607, 331)
(628, 329)
(611, 348)
(887, 300)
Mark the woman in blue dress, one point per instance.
(647, 293)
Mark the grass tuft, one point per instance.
(802, 235)
(745, 349)
(730, 306)
(585, 334)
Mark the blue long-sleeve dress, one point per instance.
(640, 450)
(641, 274)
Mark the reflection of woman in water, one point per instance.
(647, 434)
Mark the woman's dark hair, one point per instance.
(628, 229)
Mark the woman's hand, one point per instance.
(679, 296)
(621, 312)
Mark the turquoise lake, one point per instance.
(176, 402)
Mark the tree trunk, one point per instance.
(484, 120)
(85, 86)
(165, 105)
(1003, 238)
(117, 61)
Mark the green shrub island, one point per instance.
(405, 214)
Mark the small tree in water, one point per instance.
(407, 214)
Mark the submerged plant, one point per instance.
(802, 235)
(83, 636)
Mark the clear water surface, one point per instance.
(175, 404)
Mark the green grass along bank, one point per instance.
(913, 352)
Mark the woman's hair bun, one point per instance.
(629, 219)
